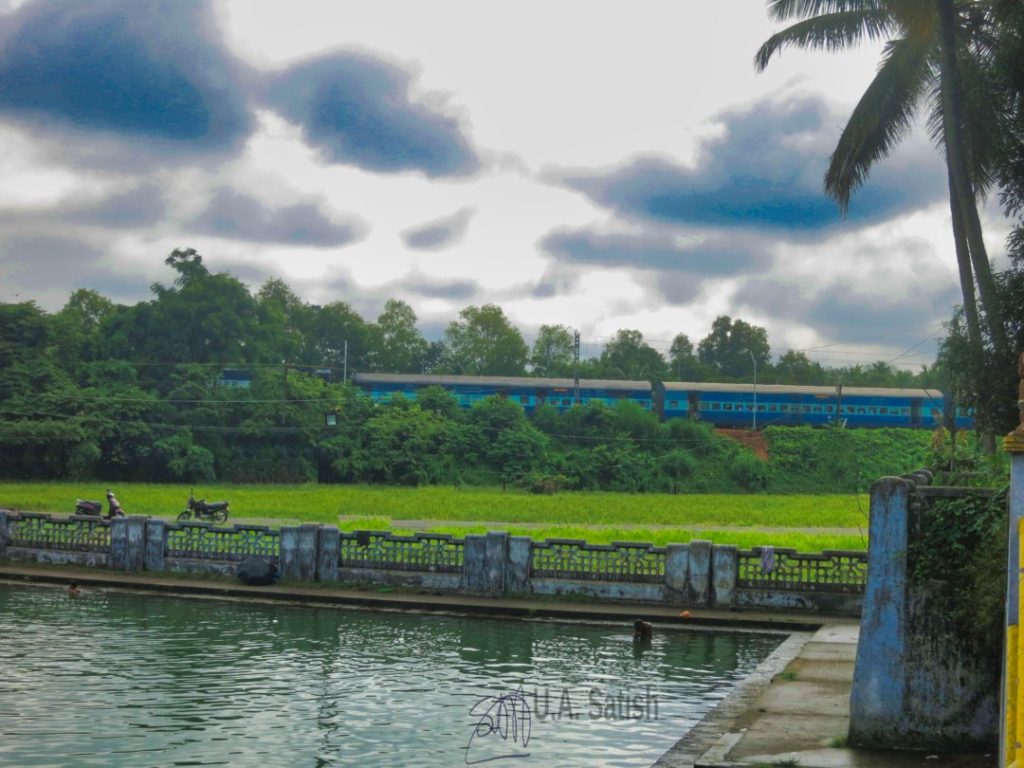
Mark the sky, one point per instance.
(601, 165)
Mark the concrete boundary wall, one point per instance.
(697, 574)
(917, 684)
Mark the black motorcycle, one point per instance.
(200, 509)
(95, 508)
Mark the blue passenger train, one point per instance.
(528, 392)
(723, 405)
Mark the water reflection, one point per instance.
(107, 677)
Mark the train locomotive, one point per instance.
(723, 405)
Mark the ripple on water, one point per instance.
(109, 677)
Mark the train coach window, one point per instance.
(566, 401)
(772, 408)
(872, 410)
(524, 399)
(829, 409)
(726, 406)
(703, 406)
(673, 403)
(883, 411)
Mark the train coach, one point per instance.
(530, 393)
(735, 405)
(723, 405)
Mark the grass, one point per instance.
(595, 517)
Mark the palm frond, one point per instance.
(981, 121)
(881, 118)
(831, 32)
(784, 10)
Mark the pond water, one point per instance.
(115, 678)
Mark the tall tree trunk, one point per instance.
(963, 262)
(959, 172)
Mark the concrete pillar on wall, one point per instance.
(485, 563)
(5, 533)
(724, 567)
(518, 577)
(474, 558)
(677, 569)
(877, 703)
(298, 552)
(128, 543)
(328, 552)
(156, 543)
(698, 580)
(497, 563)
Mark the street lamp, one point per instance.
(754, 361)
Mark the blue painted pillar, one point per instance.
(877, 701)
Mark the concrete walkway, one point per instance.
(802, 716)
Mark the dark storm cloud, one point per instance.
(845, 313)
(238, 216)
(764, 171)
(139, 207)
(719, 256)
(439, 233)
(153, 72)
(40, 267)
(440, 289)
(357, 110)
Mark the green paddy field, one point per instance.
(804, 522)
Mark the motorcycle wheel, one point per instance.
(220, 516)
(184, 517)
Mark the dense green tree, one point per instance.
(341, 339)
(286, 323)
(396, 343)
(553, 352)
(730, 346)
(796, 368)
(627, 356)
(683, 363)
(483, 343)
(77, 326)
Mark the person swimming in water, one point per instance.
(73, 589)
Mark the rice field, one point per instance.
(808, 523)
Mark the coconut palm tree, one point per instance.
(932, 55)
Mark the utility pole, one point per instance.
(344, 369)
(839, 403)
(576, 359)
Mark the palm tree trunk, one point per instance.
(963, 262)
(959, 173)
